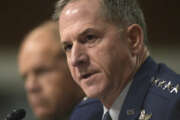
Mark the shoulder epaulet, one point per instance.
(88, 101)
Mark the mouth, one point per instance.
(36, 101)
(87, 75)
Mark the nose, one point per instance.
(79, 55)
(31, 84)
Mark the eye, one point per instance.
(42, 70)
(89, 38)
(67, 47)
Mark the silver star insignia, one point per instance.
(144, 116)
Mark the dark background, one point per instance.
(17, 17)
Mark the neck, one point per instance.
(141, 57)
(109, 99)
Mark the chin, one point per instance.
(92, 92)
(96, 91)
(43, 114)
(92, 96)
(92, 89)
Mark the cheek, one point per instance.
(72, 71)
(26, 85)
(69, 65)
(110, 59)
(102, 58)
(101, 62)
(54, 94)
(52, 83)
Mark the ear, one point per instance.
(135, 38)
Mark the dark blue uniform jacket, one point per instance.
(90, 109)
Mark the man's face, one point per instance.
(97, 51)
(50, 89)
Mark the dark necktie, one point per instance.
(107, 116)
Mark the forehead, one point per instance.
(36, 54)
(82, 4)
(40, 41)
(78, 16)
(32, 57)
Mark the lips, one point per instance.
(87, 75)
(36, 101)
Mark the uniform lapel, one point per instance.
(132, 105)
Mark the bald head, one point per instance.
(45, 37)
(50, 89)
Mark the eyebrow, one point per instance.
(64, 43)
(88, 30)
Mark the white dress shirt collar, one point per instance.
(117, 105)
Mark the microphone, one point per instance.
(16, 114)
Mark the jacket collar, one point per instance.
(141, 82)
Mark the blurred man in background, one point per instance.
(50, 89)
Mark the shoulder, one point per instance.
(89, 109)
(89, 101)
(166, 81)
(162, 100)
(165, 87)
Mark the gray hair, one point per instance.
(116, 11)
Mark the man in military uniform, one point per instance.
(105, 44)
